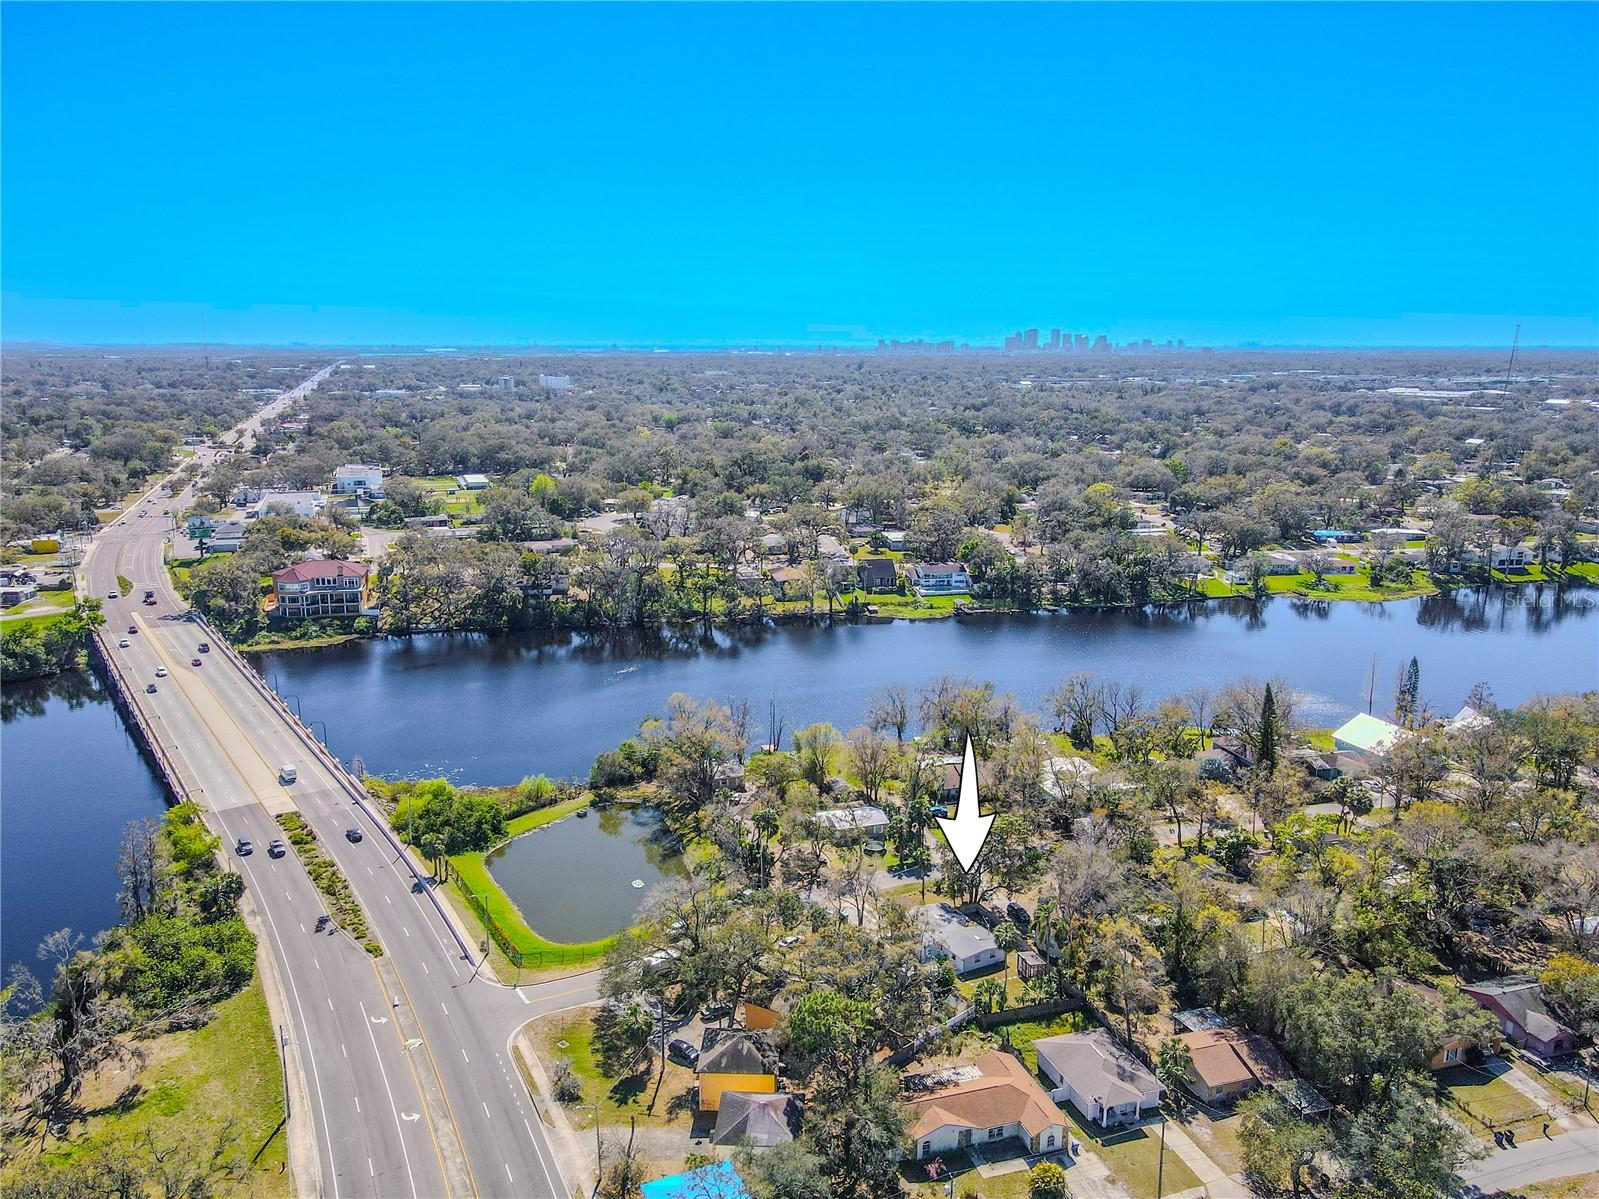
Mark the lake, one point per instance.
(72, 779)
(492, 709)
(573, 880)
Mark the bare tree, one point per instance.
(889, 708)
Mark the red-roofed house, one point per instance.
(322, 587)
(1003, 1101)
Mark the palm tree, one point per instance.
(1009, 939)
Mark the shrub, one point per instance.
(1047, 1181)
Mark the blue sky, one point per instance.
(1349, 174)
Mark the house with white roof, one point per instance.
(947, 934)
(1366, 735)
(864, 821)
(1098, 1077)
(356, 478)
(296, 503)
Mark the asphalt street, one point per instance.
(406, 1058)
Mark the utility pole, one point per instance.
(1515, 343)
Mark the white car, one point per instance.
(123, 644)
(160, 672)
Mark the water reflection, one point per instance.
(493, 709)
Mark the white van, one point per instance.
(288, 772)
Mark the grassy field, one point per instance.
(1347, 587)
(471, 870)
(1475, 1093)
(192, 1084)
(46, 608)
(570, 1035)
(1025, 1033)
(457, 501)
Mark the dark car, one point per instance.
(938, 809)
(244, 848)
(352, 834)
(150, 689)
(133, 628)
(196, 661)
(205, 647)
(276, 848)
(1018, 915)
(682, 1051)
(716, 1011)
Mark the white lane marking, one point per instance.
(463, 1054)
(358, 1105)
(392, 1105)
(486, 1111)
(508, 1173)
(318, 963)
(522, 995)
(370, 1169)
(445, 1009)
(405, 930)
(425, 969)
(343, 1050)
(302, 928)
(387, 900)
(330, 1003)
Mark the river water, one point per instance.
(492, 709)
(72, 779)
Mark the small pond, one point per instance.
(573, 880)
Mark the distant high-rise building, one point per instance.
(1054, 339)
(1030, 339)
(505, 383)
(1080, 343)
(1148, 345)
(556, 382)
(1101, 344)
(1013, 341)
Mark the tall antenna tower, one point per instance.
(1515, 343)
(205, 342)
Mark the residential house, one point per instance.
(947, 934)
(877, 574)
(894, 539)
(993, 1101)
(1061, 775)
(436, 520)
(1230, 1062)
(1366, 736)
(940, 578)
(864, 822)
(1510, 557)
(357, 478)
(1519, 1005)
(946, 780)
(774, 545)
(759, 1121)
(321, 587)
(788, 582)
(734, 1059)
(472, 482)
(1098, 1077)
(296, 503)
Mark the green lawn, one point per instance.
(192, 1084)
(570, 1035)
(1476, 1093)
(1133, 1156)
(1348, 587)
(1025, 1033)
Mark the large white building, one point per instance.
(353, 478)
(297, 503)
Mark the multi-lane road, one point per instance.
(401, 1069)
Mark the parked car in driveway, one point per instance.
(716, 1011)
(1018, 915)
(276, 848)
(682, 1051)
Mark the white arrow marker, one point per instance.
(967, 830)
